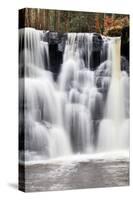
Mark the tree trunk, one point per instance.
(46, 20)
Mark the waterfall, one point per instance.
(45, 135)
(113, 129)
(84, 111)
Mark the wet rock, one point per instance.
(124, 64)
(97, 42)
(56, 38)
(125, 42)
(96, 51)
(104, 69)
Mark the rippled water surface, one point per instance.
(74, 173)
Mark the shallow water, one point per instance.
(76, 173)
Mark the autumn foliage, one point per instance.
(117, 24)
(72, 21)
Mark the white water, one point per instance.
(61, 116)
(114, 128)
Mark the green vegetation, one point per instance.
(73, 21)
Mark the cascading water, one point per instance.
(113, 129)
(69, 116)
(45, 135)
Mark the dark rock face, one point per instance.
(125, 42)
(56, 57)
(96, 51)
(95, 60)
(56, 38)
(124, 64)
(97, 42)
(56, 48)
